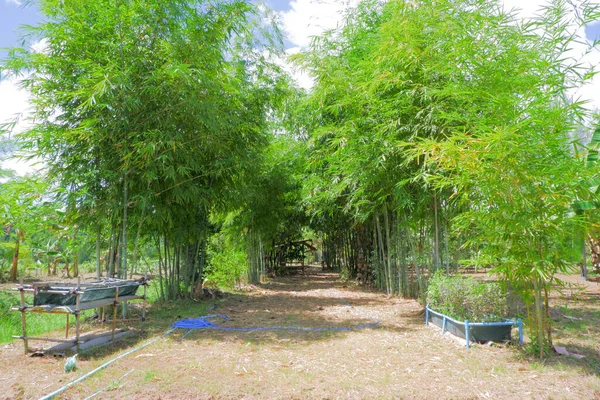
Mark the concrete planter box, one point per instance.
(478, 332)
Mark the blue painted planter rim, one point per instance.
(499, 323)
(468, 325)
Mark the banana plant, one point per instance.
(591, 205)
(21, 213)
(50, 254)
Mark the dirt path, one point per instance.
(399, 358)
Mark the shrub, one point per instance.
(6, 254)
(227, 269)
(227, 262)
(464, 298)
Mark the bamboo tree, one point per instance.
(164, 103)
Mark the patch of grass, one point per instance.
(162, 314)
(171, 311)
(10, 321)
(149, 375)
(575, 326)
(153, 292)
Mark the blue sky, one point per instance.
(592, 31)
(301, 19)
(13, 15)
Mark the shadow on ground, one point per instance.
(314, 300)
(577, 328)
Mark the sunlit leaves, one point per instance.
(170, 94)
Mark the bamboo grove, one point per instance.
(437, 135)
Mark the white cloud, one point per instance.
(14, 104)
(305, 20)
(308, 18)
(15, 2)
(14, 101)
(302, 78)
(41, 46)
(526, 9)
(591, 91)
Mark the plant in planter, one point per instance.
(469, 309)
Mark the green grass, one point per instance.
(10, 321)
(149, 375)
(163, 314)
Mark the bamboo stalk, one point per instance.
(584, 260)
(144, 308)
(137, 241)
(77, 316)
(539, 317)
(27, 309)
(114, 324)
(23, 317)
(160, 263)
(25, 289)
(15, 260)
(446, 238)
(43, 339)
(98, 232)
(436, 239)
(382, 256)
(548, 317)
(389, 249)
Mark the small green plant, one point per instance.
(149, 375)
(465, 298)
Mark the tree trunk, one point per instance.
(436, 238)
(595, 252)
(75, 264)
(548, 319)
(15, 261)
(539, 326)
(98, 232)
(160, 264)
(389, 249)
(136, 246)
(123, 268)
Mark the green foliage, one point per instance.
(463, 102)
(149, 115)
(507, 154)
(464, 298)
(270, 208)
(228, 263)
(6, 254)
(27, 217)
(431, 120)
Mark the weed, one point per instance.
(149, 375)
